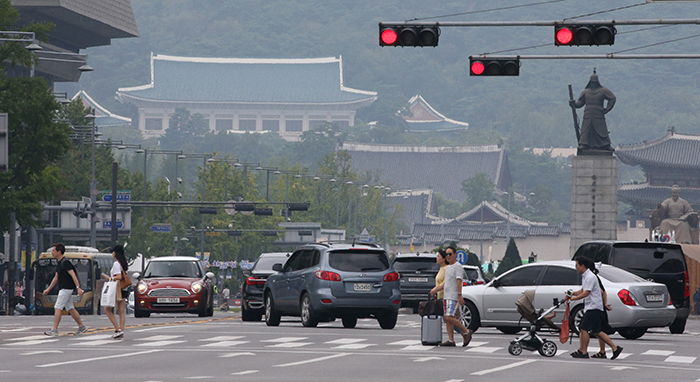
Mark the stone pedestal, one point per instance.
(593, 199)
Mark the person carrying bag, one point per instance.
(121, 282)
(109, 294)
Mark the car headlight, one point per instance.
(196, 287)
(142, 288)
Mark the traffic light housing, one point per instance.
(408, 35)
(494, 66)
(584, 34)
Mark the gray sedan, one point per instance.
(637, 304)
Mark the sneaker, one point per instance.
(447, 343)
(80, 331)
(118, 335)
(467, 337)
(52, 332)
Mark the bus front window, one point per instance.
(46, 270)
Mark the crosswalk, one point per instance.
(280, 343)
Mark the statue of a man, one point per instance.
(677, 212)
(594, 131)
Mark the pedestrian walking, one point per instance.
(452, 298)
(67, 281)
(117, 273)
(593, 310)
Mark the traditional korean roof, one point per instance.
(644, 193)
(103, 117)
(424, 118)
(470, 231)
(671, 150)
(441, 168)
(416, 205)
(310, 81)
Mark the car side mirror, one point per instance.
(210, 276)
(496, 283)
(136, 275)
(277, 267)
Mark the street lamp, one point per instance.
(145, 152)
(93, 183)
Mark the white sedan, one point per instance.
(637, 304)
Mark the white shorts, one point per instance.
(65, 299)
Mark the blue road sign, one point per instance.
(161, 228)
(461, 257)
(108, 224)
(122, 196)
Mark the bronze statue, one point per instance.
(594, 131)
(675, 214)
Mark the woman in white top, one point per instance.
(120, 265)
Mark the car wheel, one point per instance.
(515, 348)
(272, 318)
(308, 318)
(509, 329)
(210, 310)
(632, 333)
(247, 315)
(349, 322)
(575, 317)
(548, 349)
(388, 320)
(203, 310)
(469, 316)
(677, 327)
(138, 313)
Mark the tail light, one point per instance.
(626, 297)
(686, 292)
(464, 283)
(325, 275)
(392, 276)
(479, 282)
(254, 281)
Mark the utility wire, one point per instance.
(610, 10)
(658, 43)
(486, 10)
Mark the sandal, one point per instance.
(599, 355)
(579, 354)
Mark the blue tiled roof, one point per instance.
(295, 81)
(654, 194)
(671, 150)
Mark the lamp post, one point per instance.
(320, 195)
(245, 175)
(145, 152)
(267, 182)
(93, 182)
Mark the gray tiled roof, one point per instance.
(654, 194)
(671, 150)
(224, 80)
(434, 233)
(441, 168)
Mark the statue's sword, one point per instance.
(577, 129)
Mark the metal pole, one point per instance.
(350, 209)
(12, 269)
(286, 196)
(93, 191)
(145, 156)
(320, 204)
(204, 190)
(245, 182)
(591, 56)
(115, 170)
(267, 187)
(542, 23)
(481, 237)
(337, 210)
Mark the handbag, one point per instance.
(430, 307)
(564, 332)
(125, 282)
(109, 294)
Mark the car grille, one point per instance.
(169, 292)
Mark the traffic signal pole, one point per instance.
(540, 23)
(593, 56)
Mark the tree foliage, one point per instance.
(510, 260)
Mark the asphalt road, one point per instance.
(182, 348)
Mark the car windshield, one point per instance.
(411, 264)
(172, 269)
(358, 261)
(472, 274)
(618, 275)
(664, 260)
(265, 263)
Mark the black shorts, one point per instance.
(591, 321)
(125, 294)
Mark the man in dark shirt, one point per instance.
(67, 281)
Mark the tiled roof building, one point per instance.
(286, 96)
(671, 159)
(423, 118)
(440, 168)
(103, 117)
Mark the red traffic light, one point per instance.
(584, 34)
(408, 35)
(494, 67)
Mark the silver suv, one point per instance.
(321, 282)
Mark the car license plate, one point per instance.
(362, 287)
(417, 279)
(655, 297)
(165, 300)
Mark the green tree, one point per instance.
(510, 260)
(478, 188)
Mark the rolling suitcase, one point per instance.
(431, 330)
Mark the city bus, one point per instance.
(89, 264)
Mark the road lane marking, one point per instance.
(221, 338)
(417, 348)
(285, 339)
(159, 338)
(160, 343)
(41, 352)
(680, 359)
(504, 367)
(111, 356)
(483, 349)
(424, 359)
(225, 343)
(320, 359)
(32, 343)
(94, 342)
(201, 377)
(246, 372)
(477, 343)
(405, 343)
(229, 355)
(28, 338)
(353, 346)
(289, 345)
(345, 341)
(658, 352)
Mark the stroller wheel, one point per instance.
(515, 349)
(548, 349)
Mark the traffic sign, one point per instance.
(161, 228)
(108, 224)
(462, 257)
(122, 195)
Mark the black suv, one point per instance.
(418, 271)
(659, 262)
(252, 306)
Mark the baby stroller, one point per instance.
(530, 340)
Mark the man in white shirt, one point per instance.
(593, 310)
(452, 288)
